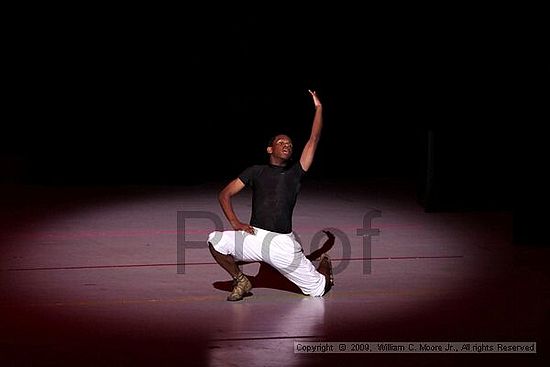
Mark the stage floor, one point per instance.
(97, 276)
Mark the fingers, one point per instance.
(248, 229)
(316, 99)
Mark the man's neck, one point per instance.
(278, 162)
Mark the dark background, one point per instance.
(180, 96)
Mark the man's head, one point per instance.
(279, 149)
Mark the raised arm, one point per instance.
(224, 198)
(309, 150)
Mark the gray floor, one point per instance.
(96, 276)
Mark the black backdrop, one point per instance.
(181, 97)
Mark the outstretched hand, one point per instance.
(316, 99)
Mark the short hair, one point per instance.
(272, 139)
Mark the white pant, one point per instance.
(281, 251)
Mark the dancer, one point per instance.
(268, 237)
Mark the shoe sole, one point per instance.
(329, 262)
(247, 294)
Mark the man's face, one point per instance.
(281, 147)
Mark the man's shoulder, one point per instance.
(256, 167)
(297, 167)
(251, 171)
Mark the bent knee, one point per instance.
(212, 248)
(214, 237)
(217, 242)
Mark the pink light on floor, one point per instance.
(107, 270)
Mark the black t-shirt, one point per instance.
(275, 190)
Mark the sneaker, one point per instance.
(324, 258)
(241, 286)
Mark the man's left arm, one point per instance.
(311, 146)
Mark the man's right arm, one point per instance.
(224, 198)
